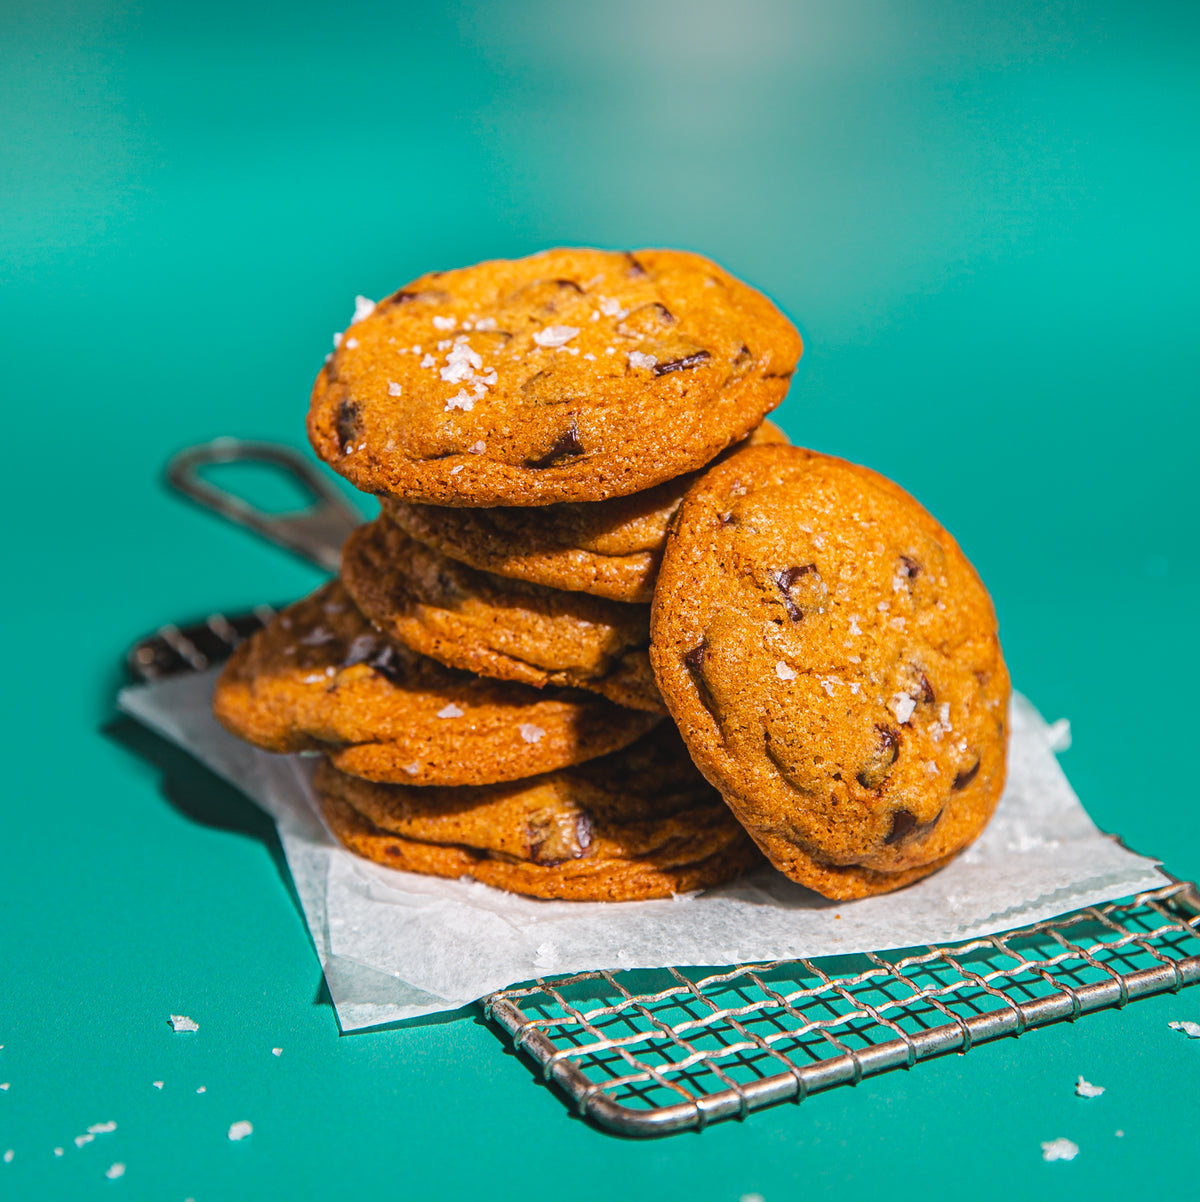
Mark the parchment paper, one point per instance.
(395, 945)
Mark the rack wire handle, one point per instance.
(315, 533)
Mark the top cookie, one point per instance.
(572, 375)
(832, 661)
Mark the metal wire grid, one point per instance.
(651, 1052)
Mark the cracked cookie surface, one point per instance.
(607, 548)
(507, 629)
(572, 375)
(635, 824)
(319, 677)
(833, 663)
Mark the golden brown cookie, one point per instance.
(832, 661)
(572, 375)
(320, 677)
(607, 548)
(503, 628)
(637, 824)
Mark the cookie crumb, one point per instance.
(114, 1171)
(450, 711)
(4, 1085)
(1085, 1089)
(1059, 1149)
(241, 1128)
(531, 733)
(1190, 1029)
(751, 1198)
(181, 1022)
(555, 335)
(784, 672)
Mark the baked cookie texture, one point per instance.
(636, 824)
(571, 375)
(607, 548)
(832, 661)
(321, 678)
(507, 629)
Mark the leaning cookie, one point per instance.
(507, 629)
(638, 824)
(572, 375)
(607, 548)
(832, 661)
(321, 678)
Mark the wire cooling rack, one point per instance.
(649, 1052)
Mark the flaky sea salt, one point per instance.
(351, 344)
(277, 1051)
(443, 323)
(1059, 1149)
(181, 1022)
(363, 307)
(486, 323)
(477, 448)
(241, 1128)
(8, 1156)
(902, 705)
(393, 388)
(412, 769)
(531, 733)
(1190, 1029)
(1085, 1089)
(102, 1128)
(555, 335)
(461, 400)
(1058, 735)
(638, 359)
(80, 1140)
(612, 308)
(157, 1084)
(784, 672)
(450, 711)
(429, 361)
(114, 1171)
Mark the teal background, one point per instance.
(983, 216)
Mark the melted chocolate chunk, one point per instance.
(787, 577)
(727, 518)
(695, 657)
(570, 284)
(694, 660)
(583, 830)
(903, 823)
(876, 769)
(646, 321)
(742, 360)
(909, 567)
(345, 425)
(927, 694)
(635, 268)
(661, 369)
(963, 779)
(566, 446)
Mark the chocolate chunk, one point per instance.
(646, 321)
(345, 425)
(695, 657)
(742, 360)
(566, 446)
(635, 268)
(963, 779)
(909, 567)
(583, 830)
(927, 694)
(787, 577)
(903, 823)
(570, 284)
(876, 769)
(393, 850)
(727, 518)
(661, 369)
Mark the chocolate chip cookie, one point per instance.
(636, 824)
(508, 629)
(607, 548)
(832, 661)
(572, 375)
(320, 677)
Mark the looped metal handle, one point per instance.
(315, 533)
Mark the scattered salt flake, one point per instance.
(202, 1089)
(854, 626)
(443, 323)
(612, 308)
(531, 733)
(80, 1140)
(450, 711)
(277, 1051)
(461, 400)
(477, 448)
(1085, 1089)
(1190, 1029)
(416, 348)
(157, 1084)
(1059, 1149)
(896, 623)
(944, 715)
(455, 470)
(1119, 1134)
(241, 1128)
(412, 769)
(751, 1198)
(58, 1151)
(884, 606)
(638, 359)
(393, 388)
(931, 769)
(337, 339)
(546, 955)
(590, 356)
(1058, 735)
(102, 1128)
(610, 350)
(114, 1171)
(351, 344)
(4, 1085)
(311, 678)
(828, 683)
(902, 705)
(784, 672)
(898, 583)
(486, 323)
(854, 687)
(8, 1156)
(363, 307)
(181, 1022)
(555, 335)
(428, 361)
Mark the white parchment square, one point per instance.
(396, 945)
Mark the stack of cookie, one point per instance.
(478, 678)
(587, 525)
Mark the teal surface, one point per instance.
(983, 218)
